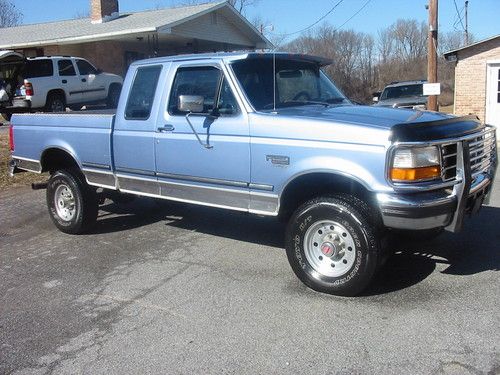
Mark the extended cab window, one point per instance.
(66, 68)
(85, 68)
(142, 93)
(202, 81)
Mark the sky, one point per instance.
(288, 16)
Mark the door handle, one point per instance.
(64, 81)
(166, 128)
(84, 80)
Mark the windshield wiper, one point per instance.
(305, 102)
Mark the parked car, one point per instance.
(267, 134)
(407, 94)
(52, 83)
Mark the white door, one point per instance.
(94, 83)
(69, 81)
(493, 95)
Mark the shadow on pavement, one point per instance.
(476, 249)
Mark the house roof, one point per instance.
(454, 51)
(83, 30)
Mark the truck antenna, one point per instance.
(274, 81)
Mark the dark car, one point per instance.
(407, 94)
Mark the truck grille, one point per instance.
(482, 153)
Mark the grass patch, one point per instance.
(19, 179)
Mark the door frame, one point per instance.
(490, 65)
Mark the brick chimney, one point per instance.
(103, 10)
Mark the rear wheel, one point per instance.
(55, 103)
(332, 245)
(72, 204)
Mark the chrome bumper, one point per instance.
(432, 209)
(445, 208)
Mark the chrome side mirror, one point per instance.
(190, 103)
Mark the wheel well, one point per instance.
(306, 187)
(56, 92)
(113, 85)
(54, 159)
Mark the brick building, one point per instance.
(112, 40)
(477, 79)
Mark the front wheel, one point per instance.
(113, 96)
(332, 245)
(72, 204)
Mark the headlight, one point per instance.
(415, 164)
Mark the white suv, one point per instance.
(53, 83)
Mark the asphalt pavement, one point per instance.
(165, 288)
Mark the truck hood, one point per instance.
(367, 116)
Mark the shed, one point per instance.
(477, 79)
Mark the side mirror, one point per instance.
(190, 103)
(375, 99)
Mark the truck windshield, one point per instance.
(402, 91)
(297, 83)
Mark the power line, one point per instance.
(315, 23)
(458, 13)
(354, 15)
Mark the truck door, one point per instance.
(134, 130)
(203, 157)
(69, 81)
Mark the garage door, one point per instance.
(493, 95)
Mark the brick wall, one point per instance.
(470, 78)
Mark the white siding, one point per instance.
(204, 28)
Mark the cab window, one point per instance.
(206, 82)
(142, 94)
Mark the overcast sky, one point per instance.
(287, 16)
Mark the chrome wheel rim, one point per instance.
(329, 248)
(65, 203)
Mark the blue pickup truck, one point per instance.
(267, 134)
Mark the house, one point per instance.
(112, 40)
(477, 79)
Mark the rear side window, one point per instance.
(39, 68)
(66, 68)
(142, 93)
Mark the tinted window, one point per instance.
(227, 102)
(297, 83)
(39, 68)
(85, 68)
(402, 91)
(66, 68)
(203, 81)
(142, 93)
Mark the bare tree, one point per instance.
(9, 14)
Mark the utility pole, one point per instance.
(432, 52)
(466, 24)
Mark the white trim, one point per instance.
(83, 38)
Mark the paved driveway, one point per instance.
(173, 289)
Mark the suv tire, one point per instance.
(55, 103)
(113, 96)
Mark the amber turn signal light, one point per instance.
(415, 174)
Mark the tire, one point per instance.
(55, 103)
(71, 202)
(332, 245)
(113, 96)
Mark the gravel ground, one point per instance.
(163, 288)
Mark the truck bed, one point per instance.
(85, 135)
